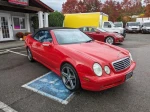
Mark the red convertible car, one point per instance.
(80, 60)
(102, 35)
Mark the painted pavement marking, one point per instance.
(3, 52)
(17, 53)
(51, 86)
(6, 108)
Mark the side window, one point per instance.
(92, 30)
(43, 36)
(106, 24)
(85, 29)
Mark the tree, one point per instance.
(70, 6)
(147, 11)
(112, 8)
(35, 22)
(81, 7)
(56, 19)
(147, 2)
(77, 6)
(92, 5)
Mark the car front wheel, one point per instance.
(29, 55)
(109, 40)
(70, 77)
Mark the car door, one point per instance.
(48, 50)
(37, 47)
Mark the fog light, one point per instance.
(107, 69)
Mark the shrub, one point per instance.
(26, 33)
(19, 35)
(56, 19)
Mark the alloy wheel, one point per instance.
(29, 55)
(69, 77)
(109, 40)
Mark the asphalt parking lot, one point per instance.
(132, 96)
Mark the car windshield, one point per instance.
(134, 24)
(112, 23)
(102, 30)
(146, 24)
(71, 36)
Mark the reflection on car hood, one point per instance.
(98, 51)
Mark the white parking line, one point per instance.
(16, 48)
(3, 52)
(17, 53)
(6, 108)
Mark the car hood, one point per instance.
(148, 27)
(134, 27)
(98, 51)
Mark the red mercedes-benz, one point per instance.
(102, 35)
(79, 60)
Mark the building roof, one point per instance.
(44, 5)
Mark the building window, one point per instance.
(19, 23)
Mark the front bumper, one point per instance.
(133, 30)
(146, 30)
(95, 83)
(119, 40)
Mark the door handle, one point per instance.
(46, 45)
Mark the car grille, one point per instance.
(134, 28)
(121, 64)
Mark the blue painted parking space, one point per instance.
(51, 86)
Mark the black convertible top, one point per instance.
(52, 28)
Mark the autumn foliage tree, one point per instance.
(116, 10)
(147, 11)
(76, 6)
(112, 8)
(70, 6)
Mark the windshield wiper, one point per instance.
(89, 41)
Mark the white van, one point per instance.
(133, 27)
(145, 28)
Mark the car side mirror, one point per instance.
(47, 44)
(109, 26)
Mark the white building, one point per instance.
(15, 16)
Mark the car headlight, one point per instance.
(97, 69)
(130, 57)
(107, 69)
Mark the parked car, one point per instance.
(145, 28)
(133, 27)
(80, 60)
(96, 19)
(102, 35)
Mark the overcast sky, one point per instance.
(56, 4)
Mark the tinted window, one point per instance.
(43, 36)
(88, 29)
(84, 29)
(106, 24)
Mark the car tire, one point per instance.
(29, 55)
(142, 32)
(70, 77)
(109, 40)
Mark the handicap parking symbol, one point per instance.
(50, 85)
